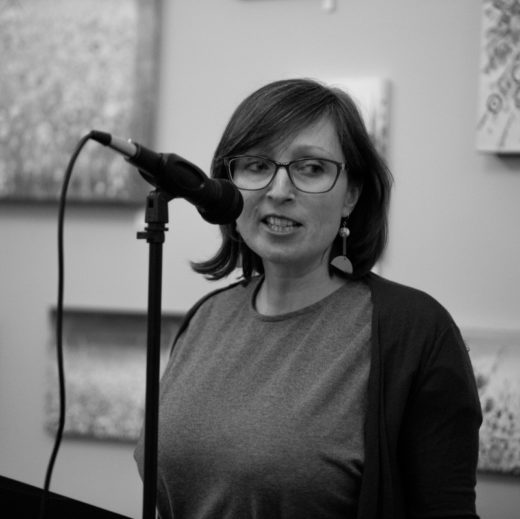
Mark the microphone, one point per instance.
(218, 201)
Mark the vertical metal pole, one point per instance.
(156, 218)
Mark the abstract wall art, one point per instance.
(70, 66)
(105, 372)
(495, 355)
(498, 124)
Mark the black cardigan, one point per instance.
(421, 435)
(424, 412)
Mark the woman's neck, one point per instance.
(281, 293)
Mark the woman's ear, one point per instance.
(351, 199)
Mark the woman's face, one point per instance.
(290, 229)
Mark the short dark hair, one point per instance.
(275, 113)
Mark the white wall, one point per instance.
(453, 218)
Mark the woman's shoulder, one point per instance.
(233, 294)
(412, 325)
(226, 295)
(401, 303)
(388, 292)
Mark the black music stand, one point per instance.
(20, 500)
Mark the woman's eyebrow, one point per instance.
(310, 147)
(302, 149)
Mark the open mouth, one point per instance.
(280, 224)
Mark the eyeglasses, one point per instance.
(310, 175)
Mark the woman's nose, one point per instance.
(281, 186)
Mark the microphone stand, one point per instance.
(156, 216)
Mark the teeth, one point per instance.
(280, 225)
(279, 222)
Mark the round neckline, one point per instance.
(293, 313)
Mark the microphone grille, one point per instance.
(228, 203)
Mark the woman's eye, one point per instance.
(256, 165)
(309, 167)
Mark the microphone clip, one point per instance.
(156, 217)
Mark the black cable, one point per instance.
(59, 324)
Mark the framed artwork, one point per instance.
(105, 372)
(498, 124)
(495, 356)
(70, 66)
(372, 96)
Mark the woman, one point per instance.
(313, 388)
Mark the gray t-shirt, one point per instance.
(263, 416)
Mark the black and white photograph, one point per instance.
(260, 259)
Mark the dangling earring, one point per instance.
(342, 262)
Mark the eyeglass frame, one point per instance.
(341, 166)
